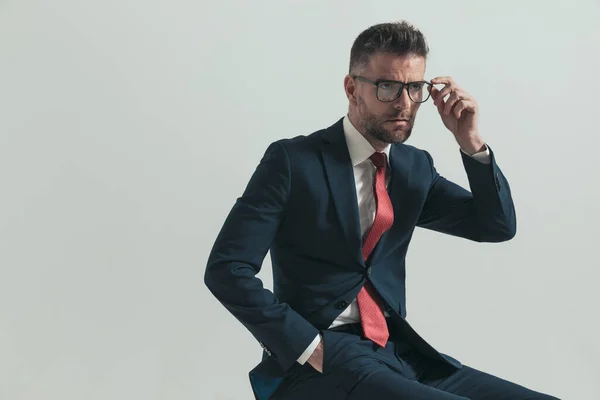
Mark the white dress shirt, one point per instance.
(364, 174)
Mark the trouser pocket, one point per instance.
(338, 349)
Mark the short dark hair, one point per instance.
(400, 38)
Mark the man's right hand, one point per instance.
(316, 358)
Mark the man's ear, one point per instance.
(350, 89)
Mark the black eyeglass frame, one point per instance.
(402, 86)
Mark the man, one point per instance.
(337, 210)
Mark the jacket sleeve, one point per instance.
(486, 214)
(237, 256)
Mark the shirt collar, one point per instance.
(359, 148)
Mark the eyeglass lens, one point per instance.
(389, 91)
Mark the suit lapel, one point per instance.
(340, 177)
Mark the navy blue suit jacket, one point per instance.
(301, 204)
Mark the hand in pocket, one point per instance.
(335, 349)
(316, 358)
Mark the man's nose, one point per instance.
(403, 101)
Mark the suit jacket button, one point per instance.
(342, 304)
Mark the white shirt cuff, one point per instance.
(309, 350)
(483, 156)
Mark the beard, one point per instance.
(375, 125)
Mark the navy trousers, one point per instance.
(355, 368)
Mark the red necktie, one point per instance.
(371, 314)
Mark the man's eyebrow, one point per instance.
(395, 80)
(388, 79)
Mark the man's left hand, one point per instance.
(459, 113)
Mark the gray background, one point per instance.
(129, 127)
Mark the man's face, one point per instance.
(385, 122)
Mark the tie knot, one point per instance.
(379, 159)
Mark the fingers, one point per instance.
(439, 95)
(444, 92)
(452, 100)
(456, 97)
(438, 98)
(458, 100)
(433, 91)
(434, 94)
(446, 80)
(458, 109)
(449, 86)
(463, 105)
(440, 104)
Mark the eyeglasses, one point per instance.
(390, 90)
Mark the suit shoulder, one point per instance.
(415, 152)
(302, 141)
(410, 148)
